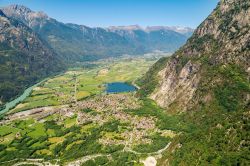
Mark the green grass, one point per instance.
(66, 140)
(38, 144)
(60, 89)
(36, 104)
(51, 133)
(5, 130)
(70, 122)
(38, 130)
(24, 124)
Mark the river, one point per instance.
(19, 99)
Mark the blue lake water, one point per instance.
(119, 87)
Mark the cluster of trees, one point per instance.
(159, 142)
(216, 139)
(220, 128)
(102, 160)
(164, 120)
(234, 87)
(87, 144)
(19, 72)
(90, 144)
(21, 148)
(118, 158)
(124, 159)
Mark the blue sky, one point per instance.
(103, 13)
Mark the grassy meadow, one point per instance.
(77, 84)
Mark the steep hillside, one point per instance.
(24, 58)
(208, 80)
(77, 42)
(220, 42)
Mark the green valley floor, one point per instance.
(70, 120)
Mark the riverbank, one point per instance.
(19, 99)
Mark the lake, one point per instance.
(114, 87)
(119, 87)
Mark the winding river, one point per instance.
(19, 99)
(114, 87)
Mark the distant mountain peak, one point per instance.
(95, 41)
(127, 28)
(20, 8)
(179, 29)
(23, 13)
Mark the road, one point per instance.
(90, 157)
(40, 162)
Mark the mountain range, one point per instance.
(79, 42)
(204, 84)
(33, 45)
(24, 56)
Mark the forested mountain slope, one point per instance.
(33, 45)
(24, 58)
(221, 42)
(208, 81)
(77, 42)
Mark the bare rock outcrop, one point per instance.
(222, 39)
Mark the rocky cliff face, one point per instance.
(27, 16)
(206, 82)
(223, 39)
(16, 35)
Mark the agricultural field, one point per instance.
(77, 84)
(70, 120)
(124, 133)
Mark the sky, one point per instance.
(104, 13)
